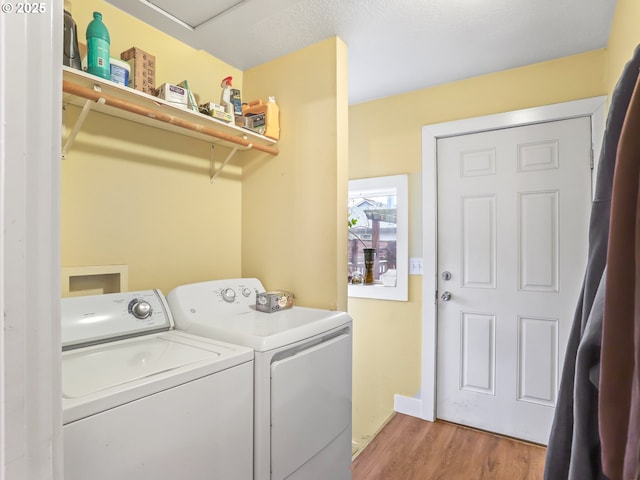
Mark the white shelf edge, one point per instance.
(137, 97)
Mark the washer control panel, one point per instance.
(100, 318)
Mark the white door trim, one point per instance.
(30, 149)
(424, 405)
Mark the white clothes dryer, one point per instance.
(142, 401)
(302, 408)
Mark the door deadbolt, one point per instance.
(446, 275)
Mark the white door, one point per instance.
(513, 209)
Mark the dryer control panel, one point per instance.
(99, 318)
(224, 298)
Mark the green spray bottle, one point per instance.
(98, 44)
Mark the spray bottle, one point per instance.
(225, 97)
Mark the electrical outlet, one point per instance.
(415, 266)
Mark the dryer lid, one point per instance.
(202, 309)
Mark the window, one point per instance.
(378, 219)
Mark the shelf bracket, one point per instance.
(213, 173)
(78, 125)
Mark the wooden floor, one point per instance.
(408, 448)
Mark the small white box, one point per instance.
(274, 301)
(219, 108)
(174, 94)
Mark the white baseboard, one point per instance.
(407, 405)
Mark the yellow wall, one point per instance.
(385, 139)
(175, 61)
(624, 37)
(294, 205)
(139, 196)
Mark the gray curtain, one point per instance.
(573, 451)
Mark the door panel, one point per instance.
(538, 241)
(479, 241)
(537, 360)
(478, 360)
(513, 207)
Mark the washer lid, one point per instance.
(100, 377)
(110, 365)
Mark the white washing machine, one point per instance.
(302, 375)
(142, 401)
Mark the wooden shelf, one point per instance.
(93, 93)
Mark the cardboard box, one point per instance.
(274, 301)
(221, 115)
(143, 70)
(210, 107)
(255, 122)
(174, 94)
(216, 111)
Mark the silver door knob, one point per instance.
(446, 296)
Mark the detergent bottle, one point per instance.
(271, 115)
(98, 44)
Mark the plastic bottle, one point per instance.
(271, 112)
(70, 51)
(273, 122)
(98, 44)
(225, 96)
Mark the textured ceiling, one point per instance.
(395, 46)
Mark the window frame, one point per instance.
(369, 187)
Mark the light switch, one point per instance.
(415, 266)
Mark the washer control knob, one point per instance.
(246, 291)
(229, 295)
(140, 308)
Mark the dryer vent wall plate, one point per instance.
(94, 280)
